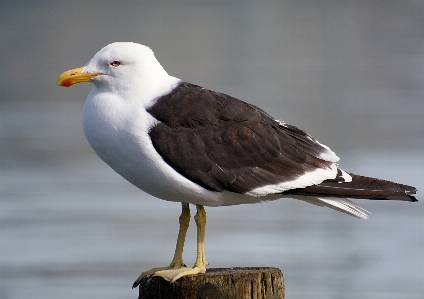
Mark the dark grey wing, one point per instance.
(222, 143)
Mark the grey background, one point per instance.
(350, 73)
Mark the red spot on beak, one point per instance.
(67, 83)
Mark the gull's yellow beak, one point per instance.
(74, 76)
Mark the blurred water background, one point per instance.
(351, 73)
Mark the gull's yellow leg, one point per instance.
(184, 220)
(177, 261)
(201, 230)
(200, 264)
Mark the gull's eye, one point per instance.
(115, 63)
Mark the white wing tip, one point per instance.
(328, 155)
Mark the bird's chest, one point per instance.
(118, 133)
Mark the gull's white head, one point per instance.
(121, 67)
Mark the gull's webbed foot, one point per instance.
(174, 274)
(173, 267)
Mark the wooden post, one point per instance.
(218, 283)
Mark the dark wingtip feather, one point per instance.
(360, 187)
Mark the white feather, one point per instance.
(347, 177)
(307, 179)
(340, 204)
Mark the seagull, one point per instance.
(184, 143)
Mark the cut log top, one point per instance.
(218, 283)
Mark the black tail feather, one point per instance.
(359, 187)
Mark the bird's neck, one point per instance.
(139, 92)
